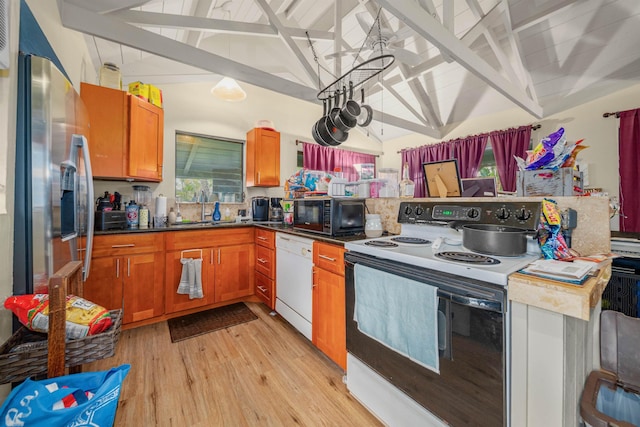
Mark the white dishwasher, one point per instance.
(294, 280)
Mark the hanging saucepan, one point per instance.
(344, 121)
(314, 129)
(338, 136)
(366, 113)
(350, 108)
(495, 240)
(327, 129)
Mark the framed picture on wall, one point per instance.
(442, 178)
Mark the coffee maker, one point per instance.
(275, 210)
(260, 208)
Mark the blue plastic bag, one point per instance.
(31, 403)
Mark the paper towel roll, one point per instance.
(161, 206)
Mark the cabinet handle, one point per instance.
(129, 245)
(262, 260)
(327, 258)
(262, 238)
(262, 289)
(117, 268)
(128, 267)
(258, 177)
(218, 256)
(211, 257)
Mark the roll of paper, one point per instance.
(161, 206)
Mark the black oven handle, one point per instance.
(444, 329)
(481, 303)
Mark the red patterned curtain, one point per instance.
(316, 157)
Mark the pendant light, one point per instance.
(228, 89)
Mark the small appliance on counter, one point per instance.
(110, 220)
(275, 211)
(260, 208)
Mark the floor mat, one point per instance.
(192, 325)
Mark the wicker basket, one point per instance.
(24, 354)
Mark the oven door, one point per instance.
(471, 385)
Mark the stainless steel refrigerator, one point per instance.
(54, 201)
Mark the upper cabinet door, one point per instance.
(263, 158)
(109, 127)
(146, 133)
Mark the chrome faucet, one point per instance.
(203, 198)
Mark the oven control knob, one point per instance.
(473, 213)
(523, 214)
(503, 213)
(419, 211)
(408, 210)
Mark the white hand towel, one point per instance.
(183, 286)
(195, 288)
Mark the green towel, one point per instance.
(400, 313)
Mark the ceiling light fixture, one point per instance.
(229, 90)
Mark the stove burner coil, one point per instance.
(411, 240)
(467, 258)
(381, 244)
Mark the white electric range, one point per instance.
(473, 317)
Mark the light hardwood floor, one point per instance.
(260, 373)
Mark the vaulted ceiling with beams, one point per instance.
(453, 59)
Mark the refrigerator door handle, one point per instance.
(81, 141)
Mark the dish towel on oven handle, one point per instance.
(191, 278)
(400, 313)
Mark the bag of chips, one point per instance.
(83, 317)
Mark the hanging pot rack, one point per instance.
(357, 76)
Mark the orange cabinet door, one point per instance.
(104, 284)
(235, 275)
(263, 158)
(328, 323)
(146, 132)
(177, 302)
(143, 287)
(108, 117)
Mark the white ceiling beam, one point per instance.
(165, 20)
(199, 9)
(108, 6)
(448, 16)
(337, 31)
(392, 120)
(429, 7)
(423, 99)
(114, 30)
(286, 37)
(542, 15)
(404, 102)
(514, 42)
(426, 26)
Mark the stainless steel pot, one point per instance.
(495, 240)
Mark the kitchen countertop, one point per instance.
(560, 297)
(274, 226)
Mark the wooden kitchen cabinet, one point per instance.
(263, 158)
(329, 322)
(126, 137)
(266, 266)
(227, 265)
(127, 271)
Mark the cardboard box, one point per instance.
(544, 182)
(148, 92)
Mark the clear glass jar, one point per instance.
(407, 187)
(372, 226)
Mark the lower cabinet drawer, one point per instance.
(265, 289)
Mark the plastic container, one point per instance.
(390, 186)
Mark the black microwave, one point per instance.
(330, 216)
